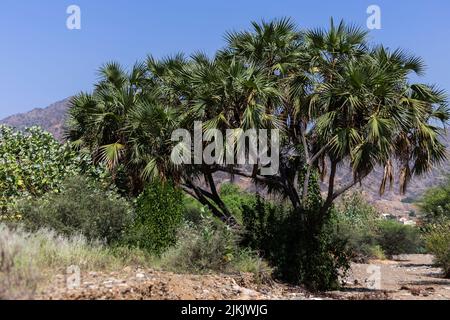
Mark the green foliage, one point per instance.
(435, 204)
(437, 240)
(193, 211)
(235, 198)
(80, 207)
(298, 243)
(300, 250)
(395, 238)
(159, 214)
(212, 246)
(208, 246)
(33, 163)
(355, 223)
(367, 235)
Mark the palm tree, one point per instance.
(337, 100)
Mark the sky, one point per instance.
(42, 61)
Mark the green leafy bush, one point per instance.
(355, 223)
(395, 238)
(298, 250)
(435, 204)
(235, 198)
(80, 207)
(367, 235)
(437, 240)
(159, 214)
(33, 163)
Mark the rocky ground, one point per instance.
(409, 277)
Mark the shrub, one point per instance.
(300, 249)
(235, 199)
(367, 235)
(395, 238)
(193, 211)
(435, 203)
(81, 207)
(212, 246)
(208, 246)
(159, 214)
(354, 223)
(33, 163)
(437, 240)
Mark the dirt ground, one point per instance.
(408, 277)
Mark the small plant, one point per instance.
(212, 246)
(159, 214)
(437, 240)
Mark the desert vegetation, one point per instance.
(111, 196)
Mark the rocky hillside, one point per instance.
(52, 120)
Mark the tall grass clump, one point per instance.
(212, 246)
(27, 259)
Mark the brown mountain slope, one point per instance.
(52, 120)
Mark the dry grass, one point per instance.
(26, 259)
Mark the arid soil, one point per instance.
(409, 277)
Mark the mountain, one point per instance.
(51, 118)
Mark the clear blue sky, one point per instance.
(42, 61)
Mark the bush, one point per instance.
(300, 249)
(437, 240)
(354, 223)
(297, 242)
(367, 235)
(212, 246)
(235, 199)
(193, 211)
(395, 238)
(159, 214)
(81, 207)
(33, 163)
(208, 246)
(435, 203)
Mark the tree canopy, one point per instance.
(337, 99)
